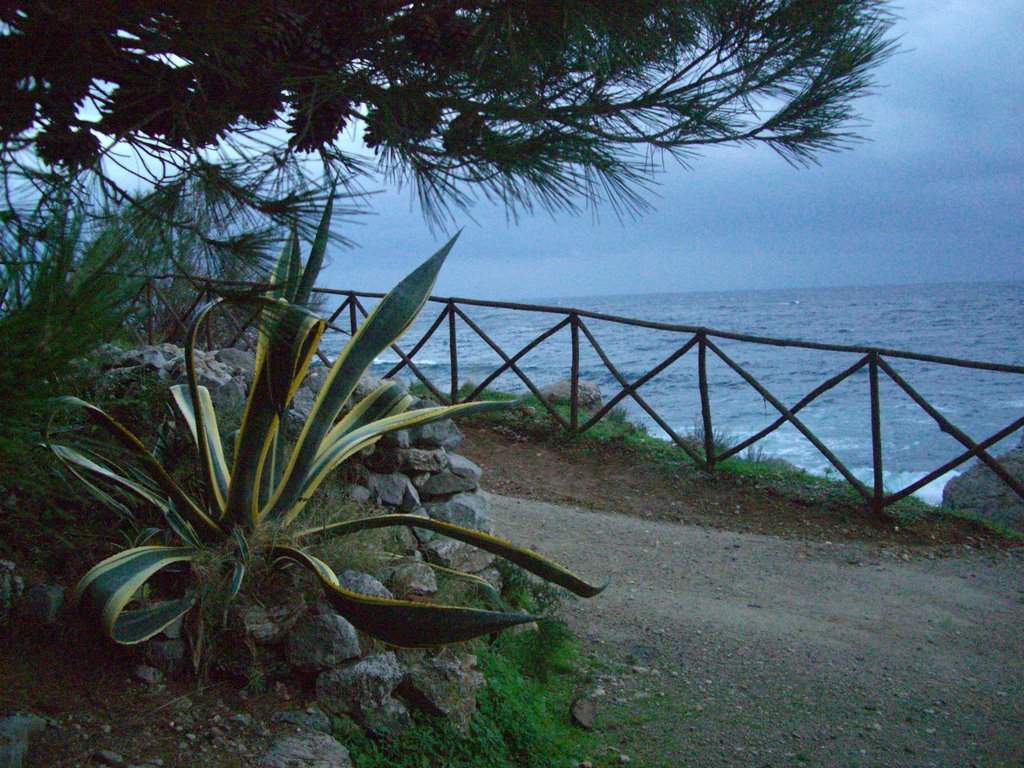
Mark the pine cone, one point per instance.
(464, 134)
(59, 145)
(317, 125)
(422, 35)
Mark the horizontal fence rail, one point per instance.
(454, 312)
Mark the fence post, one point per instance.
(876, 435)
(453, 352)
(705, 402)
(352, 321)
(574, 375)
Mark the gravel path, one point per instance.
(774, 652)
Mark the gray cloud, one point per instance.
(936, 195)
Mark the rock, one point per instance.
(387, 720)
(438, 434)
(368, 383)
(165, 655)
(305, 750)
(231, 396)
(359, 494)
(241, 362)
(493, 577)
(316, 378)
(41, 604)
(390, 489)
(15, 732)
(983, 493)
(408, 460)
(270, 624)
(363, 583)
(310, 719)
(590, 398)
(449, 553)
(12, 587)
(301, 406)
(411, 579)
(444, 685)
(584, 712)
(467, 510)
(322, 642)
(461, 475)
(148, 675)
(108, 757)
(364, 684)
(399, 438)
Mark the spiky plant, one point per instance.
(252, 507)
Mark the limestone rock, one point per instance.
(411, 579)
(387, 720)
(450, 553)
(408, 460)
(363, 583)
(322, 642)
(980, 491)
(584, 712)
(368, 383)
(362, 685)
(41, 604)
(11, 588)
(590, 398)
(359, 494)
(165, 655)
(391, 489)
(301, 406)
(444, 685)
(461, 475)
(305, 750)
(439, 434)
(270, 624)
(310, 719)
(399, 438)
(241, 362)
(468, 510)
(15, 731)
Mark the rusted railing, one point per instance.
(453, 312)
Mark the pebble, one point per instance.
(148, 675)
(108, 757)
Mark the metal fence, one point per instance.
(703, 342)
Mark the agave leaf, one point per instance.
(189, 510)
(206, 435)
(402, 623)
(385, 325)
(316, 256)
(202, 420)
(293, 338)
(108, 587)
(524, 558)
(75, 460)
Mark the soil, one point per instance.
(610, 477)
(737, 649)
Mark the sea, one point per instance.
(978, 322)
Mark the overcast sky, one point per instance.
(935, 195)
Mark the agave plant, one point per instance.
(252, 507)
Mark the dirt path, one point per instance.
(751, 650)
